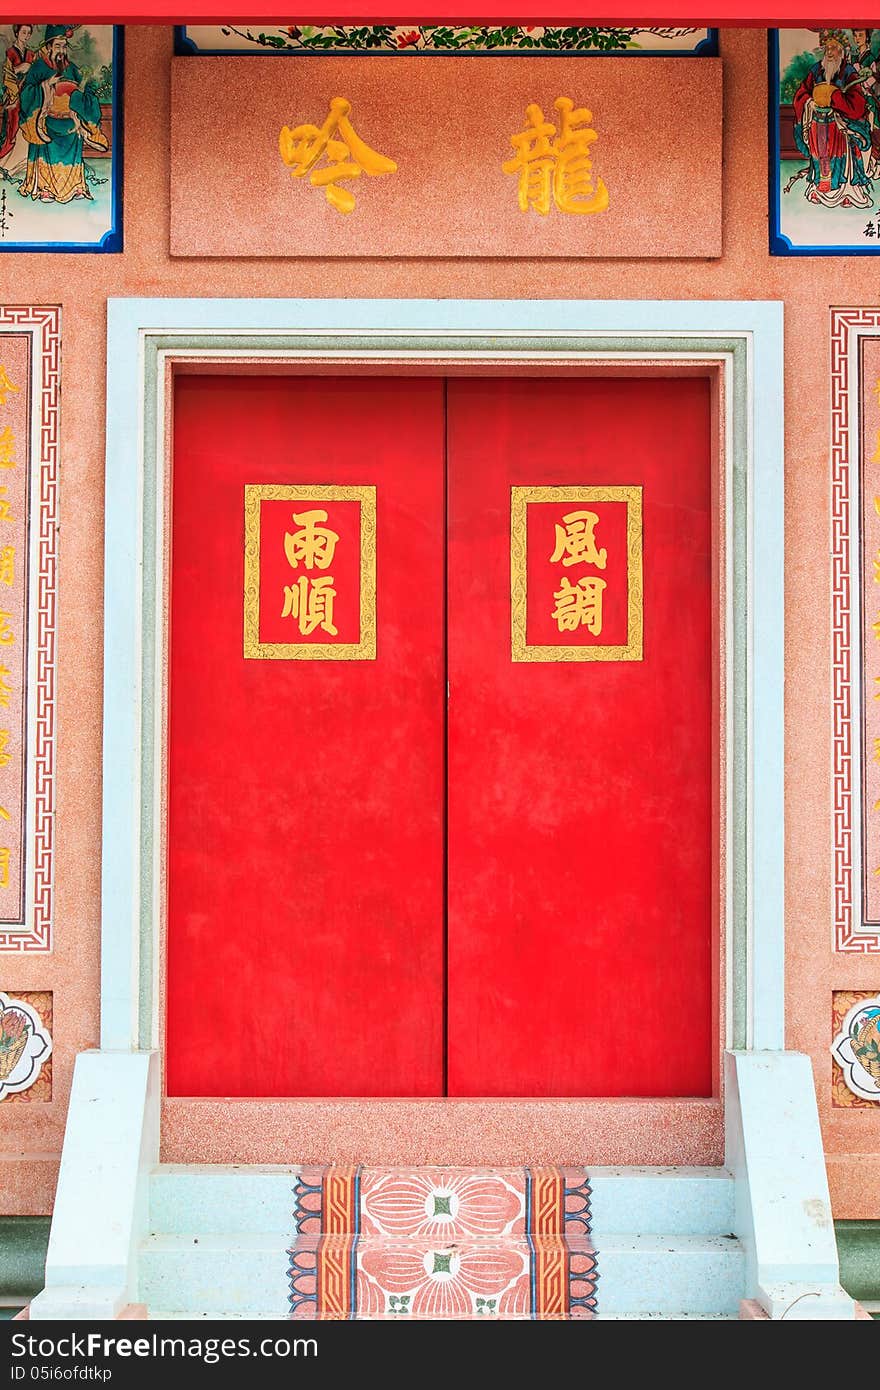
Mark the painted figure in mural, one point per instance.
(16, 65)
(868, 63)
(60, 115)
(832, 127)
(869, 71)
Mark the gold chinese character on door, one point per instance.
(576, 573)
(310, 572)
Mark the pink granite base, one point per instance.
(461, 1132)
(132, 1312)
(751, 1308)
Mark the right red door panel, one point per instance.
(580, 838)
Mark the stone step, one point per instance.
(670, 1201)
(240, 1273)
(201, 1199)
(502, 1276)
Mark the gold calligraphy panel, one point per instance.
(576, 579)
(310, 572)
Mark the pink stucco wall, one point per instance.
(31, 1133)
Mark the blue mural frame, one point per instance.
(112, 240)
(779, 242)
(185, 47)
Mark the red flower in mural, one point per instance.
(12, 1024)
(408, 39)
(13, 1041)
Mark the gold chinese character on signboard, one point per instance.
(4, 744)
(310, 602)
(4, 868)
(6, 386)
(5, 510)
(7, 565)
(7, 448)
(7, 636)
(556, 166)
(348, 156)
(312, 544)
(5, 688)
(576, 541)
(579, 605)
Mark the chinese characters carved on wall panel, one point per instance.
(541, 157)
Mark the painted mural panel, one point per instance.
(212, 39)
(855, 1049)
(545, 157)
(825, 141)
(26, 1045)
(29, 383)
(855, 562)
(60, 137)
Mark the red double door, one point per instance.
(439, 870)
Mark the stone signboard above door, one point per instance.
(489, 157)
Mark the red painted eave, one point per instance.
(718, 14)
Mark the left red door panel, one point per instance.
(305, 795)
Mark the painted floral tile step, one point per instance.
(438, 1203)
(378, 1277)
(442, 1242)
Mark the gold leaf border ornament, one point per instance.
(254, 649)
(521, 649)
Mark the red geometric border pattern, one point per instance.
(848, 935)
(45, 323)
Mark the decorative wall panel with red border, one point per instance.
(855, 573)
(29, 398)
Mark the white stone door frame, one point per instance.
(742, 340)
